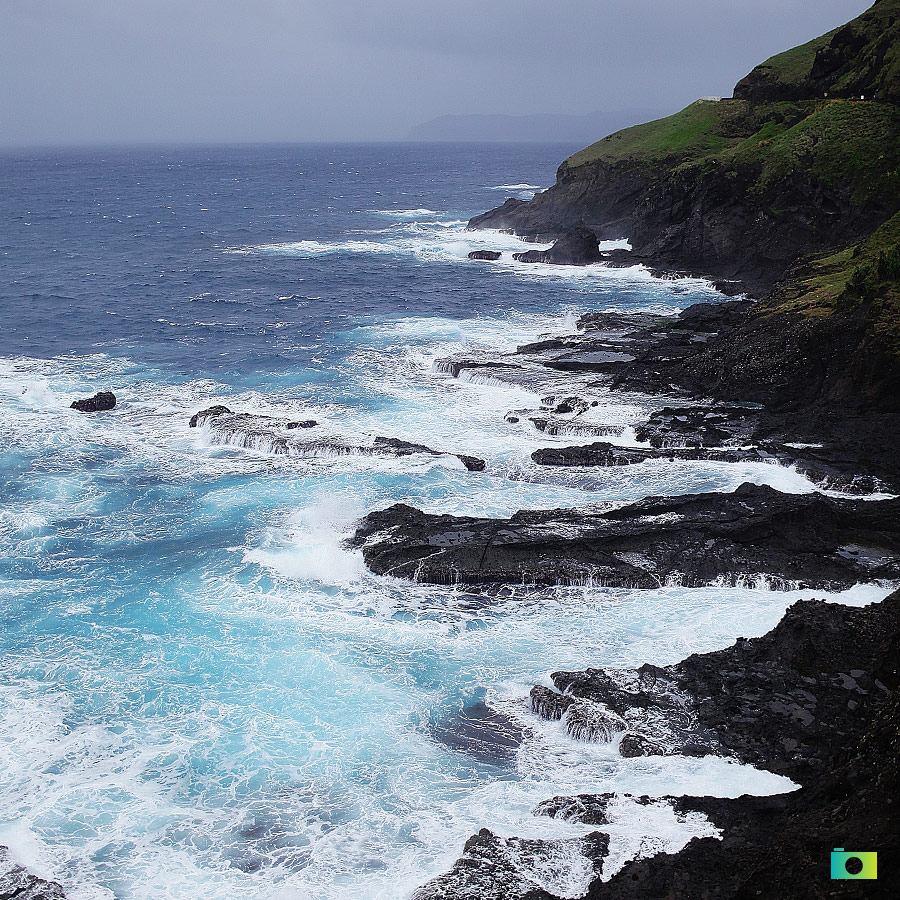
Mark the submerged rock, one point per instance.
(789, 539)
(266, 434)
(482, 732)
(100, 402)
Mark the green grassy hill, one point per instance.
(781, 129)
(859, 58)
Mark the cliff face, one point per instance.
(788, 195)
(860, 58)
(740, 188)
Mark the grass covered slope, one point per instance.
(865, 275)
(742, 188)
(834, 142)
(859, 58)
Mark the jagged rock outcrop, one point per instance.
(808, 539)
(576, 247)
(17, 883)
(495, 868)
(100, 402)
(266, 434)
(489, 255)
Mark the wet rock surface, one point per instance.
(100, 402)
(807, 539)
(654, 355)
(490, 255)
(270, 435)
(786, 701)
(577, 246)
(496, 868)
(827, 472)
(815, 699)
(17, 883)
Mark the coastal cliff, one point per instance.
(795, 163)
(788, 192)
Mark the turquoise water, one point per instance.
(202, 691)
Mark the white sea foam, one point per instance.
(267, 704)
(406, 214)
(516, 187)
(310, 546)
(445, 240)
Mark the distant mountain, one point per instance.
(544, 127)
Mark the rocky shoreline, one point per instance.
(785, 192)
(17, 883)
(815, 699)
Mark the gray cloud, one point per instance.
(205, 70)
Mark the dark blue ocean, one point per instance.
(203, 693)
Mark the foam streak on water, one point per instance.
(203, 692)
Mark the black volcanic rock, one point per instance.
(212, 412)
(17, 883)
(816, 378)
(490, 255)
(600, 453)
(707, 426)
(576, 247)
(100, 402)
(806, 539)
(815, 699)
(786, 701)
(495, 868)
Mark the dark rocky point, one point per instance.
(490, 255)
(100, 402)
(793, 539)
(815, 699)
(576, 247)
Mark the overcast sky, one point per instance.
(123, 71)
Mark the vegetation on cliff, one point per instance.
(793, 184)
(859, 58)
